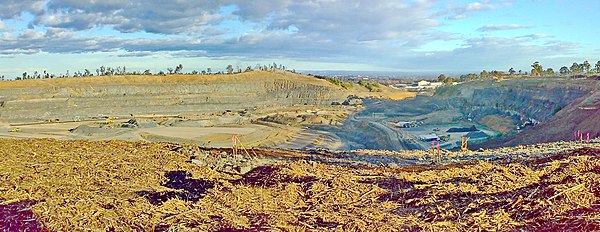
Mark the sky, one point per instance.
(411, 36)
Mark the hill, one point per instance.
(45, 99)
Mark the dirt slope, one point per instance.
(124, 95)
(583, 115)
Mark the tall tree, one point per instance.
(511, 71)
(441, 77)
(598, 67)
(229, 69)
(586, 66)
(178, 69)
(576, 69)
(537, 69)
(564, 71)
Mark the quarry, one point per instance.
(275, 150)
(313, 115)
(296, 112)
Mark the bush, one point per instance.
(372, 87)
(343, 84)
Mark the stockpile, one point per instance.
(78, 185)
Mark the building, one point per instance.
(423, 83)
(429, 137)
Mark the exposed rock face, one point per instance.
(132, 95)
(517, 98)
(560, 105)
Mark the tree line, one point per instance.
(122, 70)
(576, 70)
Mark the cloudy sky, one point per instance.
(428, 36)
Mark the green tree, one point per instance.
(576, 69)
(484, 74)
(441, 77)
(586, 66)
(229, 69)
(564, 71)
(537, 69)
(179, 69)
(511, 71)
(598, 67)
(449, 81)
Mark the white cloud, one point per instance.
(460, 12)
(12, 8)
(329, 28)
(495, 53)
(536, 36)
(379, 33)
(501, 27)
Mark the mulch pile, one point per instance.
(115, 185)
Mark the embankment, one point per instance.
(123, 95)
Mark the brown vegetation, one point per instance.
(116, 185)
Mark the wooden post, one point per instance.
(465, 143)
(234, 142)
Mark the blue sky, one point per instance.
(417, 36)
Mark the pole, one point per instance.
(234, 142)
(588, 137)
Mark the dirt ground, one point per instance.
(266, 127)
(48, 184)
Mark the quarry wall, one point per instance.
(42, 102)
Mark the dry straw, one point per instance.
(124, 186)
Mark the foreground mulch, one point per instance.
(115, 185)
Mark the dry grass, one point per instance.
(384, 92)
(169, 79)
(117, 185)
(73, 84)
